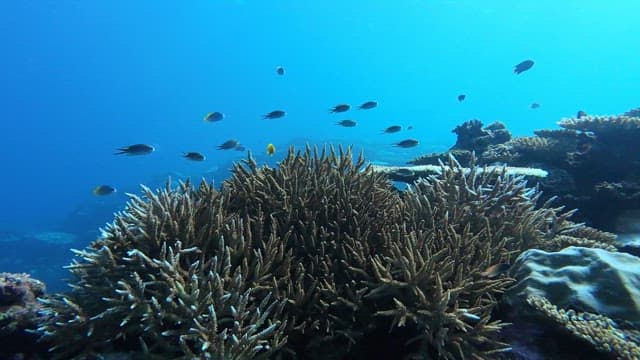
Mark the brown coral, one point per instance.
(313, 259)
(600, 331)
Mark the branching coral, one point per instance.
(307, 260)
(171, 275)
(600, 331)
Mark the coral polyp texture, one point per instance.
(317, 258)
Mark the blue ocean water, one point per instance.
(79, 79)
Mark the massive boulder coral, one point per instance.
(318, 258)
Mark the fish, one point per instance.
(213, 116)
(407, 143)
(271, 149)
(496, 270)
(135, 149)
(581, 114)
(404, 172)
(229, 144)
(461, 97)
(346, 123)
(340, 108)
(280, 70)
(102, 190)
(410, 127)
(523, 66)
(275, 114)
(368, 105)
(535, 105)
(392, 129)
(240, 148)
(194, 156)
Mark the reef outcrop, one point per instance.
(19, 314)
(591, 161)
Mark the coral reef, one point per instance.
(318, 258)
(472, 137)
(592, 162)
(19, 313)
(598, 330)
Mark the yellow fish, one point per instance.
(271, 149)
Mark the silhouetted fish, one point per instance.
(346, 123)
(408, 143)
(368, 105)
(229, 144)
(523, 66)
(535, 105)
(194, 156)
(136, 149)
(213, 116)
(581, 114)
(461, 97)
(392, 129)
(280, 70)
(404, 172)
(275, 114)
(102, 190)
(340, 108)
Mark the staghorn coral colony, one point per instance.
(318, 258)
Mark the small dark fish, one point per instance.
(410, 127)
(461, 97)
(229, 144)
(368, 105)
(280, 70)
(346, 123)
(340, 108)
(392, 129)
(213, 116)
(496, 270)
(136, 149)
(581, 114)
(102, 190)
(275, 114)
(404, 172)
(523, 66)
(195, 156)
(240, 148)
(408, 143)
(535, 105)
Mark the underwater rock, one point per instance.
(584, 279)
(472, 137)
(19, 315)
